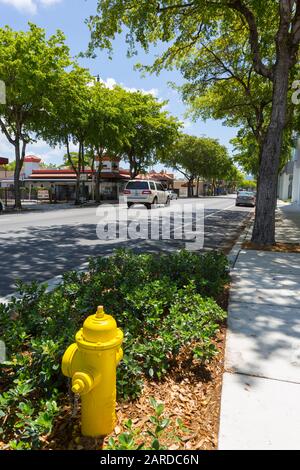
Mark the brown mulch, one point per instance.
(278, 247)
(190, 393)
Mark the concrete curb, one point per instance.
(235, 251)
(54, 207)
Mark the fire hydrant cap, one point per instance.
(100, 329)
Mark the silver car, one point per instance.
(173, 195)
(245, 198)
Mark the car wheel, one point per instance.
(148, 206)
(1, 207)
(129, 204)
(168, 202)
(154, 203)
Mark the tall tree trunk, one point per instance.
(134, 165)
(191, 187)
(77, 190)
(198, 182)
(19, 155)
(264, 225)
(97, 187)
(18, 168)
(83, 170)
(213, 183)
(98, 175)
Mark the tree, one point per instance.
(69, 119)
(183, 156)
(10, 166)
(196, 157)
(273, 36)
(221, 84)
(53, 166)
(248, 185)
(30, 66)
(149, 131)
(234, 178)
(107, 133)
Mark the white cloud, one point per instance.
(39, 148)
(187, 124)
(111, 83)
(6, 149)
(22, 5)
(29, 6)
(49, 2)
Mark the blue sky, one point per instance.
(69, 16)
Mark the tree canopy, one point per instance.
(150, 130)
(198, 157)
(30, 65)
(201, 36)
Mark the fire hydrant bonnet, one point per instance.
(99, 332)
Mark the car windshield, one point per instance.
(245, 193)
(137, 185)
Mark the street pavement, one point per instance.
(260, 407)
(40, 245)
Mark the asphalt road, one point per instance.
(41, 245)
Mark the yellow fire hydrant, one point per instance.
(91, 363)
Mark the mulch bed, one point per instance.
(190, 392)
(278, 247)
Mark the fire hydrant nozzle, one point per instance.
(100, 312)
(91, 364)
(78, 386)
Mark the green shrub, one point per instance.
(161, 302)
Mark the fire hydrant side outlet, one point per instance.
(91, 363)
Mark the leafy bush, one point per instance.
(134, 439)
(161, 302)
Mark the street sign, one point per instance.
(43, 194)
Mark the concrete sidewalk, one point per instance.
(288, 223)
(260, 406)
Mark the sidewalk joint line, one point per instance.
(260, 376)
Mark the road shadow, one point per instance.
(40, 253)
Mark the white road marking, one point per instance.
(221, 210)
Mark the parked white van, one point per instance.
(147, 192)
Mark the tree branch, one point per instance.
(6, 133)
(259, 67)
(69, 156)
(295, 35)
(174, 7)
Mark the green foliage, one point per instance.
(135, 439)
(248, 185)
(199, 157)
(146, 130)
(30, 66)
(161, 302)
